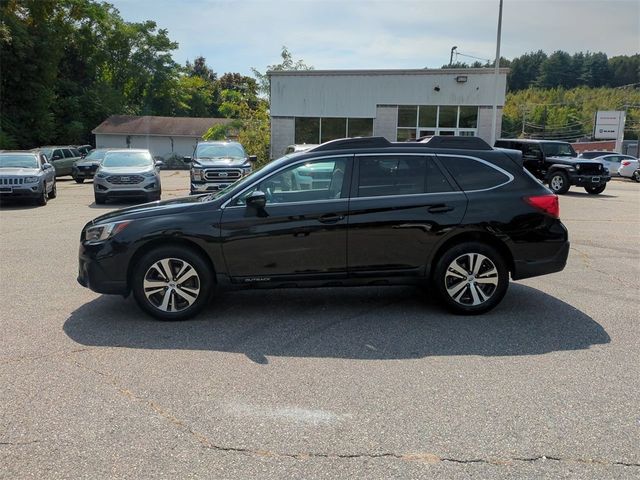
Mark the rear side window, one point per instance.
(472, 174)
(67, 153)
(401, 175)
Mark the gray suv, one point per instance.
(26, 175)
(126, 174)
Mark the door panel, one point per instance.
(394, 234)
(286, 239)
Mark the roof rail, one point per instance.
(462, 143)
(349, 143)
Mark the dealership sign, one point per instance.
(609, 125)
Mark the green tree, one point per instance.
(287, 63)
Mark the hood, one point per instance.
(153, 209)
(88, 163)
(572, 160)
(19, 171)
(220, 162)
(125, 170)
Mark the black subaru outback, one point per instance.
(452, 213)
(557, 164)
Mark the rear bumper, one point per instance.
(533, 268)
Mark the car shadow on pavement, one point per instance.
(358, 323)
(588, 195)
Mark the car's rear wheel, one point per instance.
(42, 199)
(471, 278)
(172, 283)
(54, 191)
(595, 190)
(559, 183)
(636, 176)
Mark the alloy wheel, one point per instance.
(171, 285)
(471, 279)
(557, 182)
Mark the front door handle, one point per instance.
(330, 218)
(440, 209)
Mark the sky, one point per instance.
(235, 35)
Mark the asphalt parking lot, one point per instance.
(321, 383)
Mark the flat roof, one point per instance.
(413, 71)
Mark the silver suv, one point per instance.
(127, 173)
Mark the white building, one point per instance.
(315, 106)
(162, 136)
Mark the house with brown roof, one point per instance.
(162, 136)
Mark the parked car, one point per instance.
(612, 162)
(594, 154)
(461, 219)
(301, 147)
(26, 175)
(84, 149)
(630, 168)
(557, 164)
(127, 173)
(61, 157)
(216, 165)
(86, 168)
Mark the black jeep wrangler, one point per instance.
(556, 164)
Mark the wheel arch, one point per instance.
(473, 236)
(164, 242)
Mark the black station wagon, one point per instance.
(451, 213)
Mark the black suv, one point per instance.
(556, 163)
(453, 213)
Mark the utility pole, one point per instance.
(451, 56)
(494, 120)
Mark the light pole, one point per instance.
(494, 119)
(451, 57)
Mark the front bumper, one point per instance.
(589, 180)
(30, 191)
(105, 189)
(100, 269)
(83, 172)
(203, 187)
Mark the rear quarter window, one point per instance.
(471, 174)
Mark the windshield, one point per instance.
(127, 159)
(18, 161)
(96, 155)
(558, 150)
(218, 150)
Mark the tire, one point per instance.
(54, 191)
(559, 183)
(636, 176)
(78, 179)
(457, 285)
(100, 199)
(42, 199)
(595, 190)
(164, 297)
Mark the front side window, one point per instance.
(68, 153)
(472, 174)
(399, 175)
(558, 150)
(304, 182)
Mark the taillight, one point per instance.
(545, 203)
(626, 163)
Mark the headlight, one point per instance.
(196, 174)
(99, 233)
(30, 179)
(149, 174)
(101, 175)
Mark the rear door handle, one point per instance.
(440, 209)
(330, 218)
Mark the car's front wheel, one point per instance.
(559, 183)
(79, 179)
(42, 198)
(172, 283)
(54, 191)
(636, 175)
(471, 278)
(595, 190)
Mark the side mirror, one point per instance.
(257, 200)
(187, 159)
(46, 166)
(158, 163)
(253, 158)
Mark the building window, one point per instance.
(320, 130)
(307, 130)
(426, 120)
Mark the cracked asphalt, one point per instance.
(321, 383)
